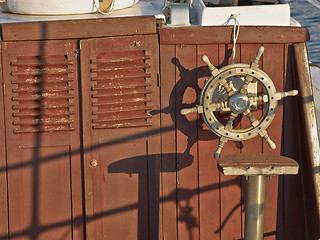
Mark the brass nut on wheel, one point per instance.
(93, 163)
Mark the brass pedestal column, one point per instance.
(256, 167)
(255, 199)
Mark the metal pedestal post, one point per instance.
(256, 166)
(255, 199)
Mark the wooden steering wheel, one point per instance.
(227, 91)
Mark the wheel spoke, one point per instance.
(222, 141)
(281, 95)
(227, 87)
(213, 70)
(197, 109)
(261, 98)
(254, 65)
(255, 62)
(266, 137)
(253, 120)
(244, 88)
(219, 106)
(229, 124)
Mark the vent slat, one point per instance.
(42, 94)
(42, 79)
(119, 86)
(36, 129)
(38, 97)
(116, 59)
(42, 71)
(42, 121)
(122, 55)
(121, 67)
(39, 113)
(122, 101)
(42, 105)
(120, 118)
(122, 125)
(35, 88)
(41, 62)
(122, 109)
(121, 93)
(121, 77)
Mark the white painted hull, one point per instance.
(59, 7)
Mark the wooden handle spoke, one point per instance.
(196, 109)
(281, 95)
(261, 98)
(219, 106)
(213, 70)
(222, 141)
(227, 87)
(266, 137)
(253, 120)
(255, 62)
(244, 87)
(229, 124)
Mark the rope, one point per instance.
(236, 30)
(104, 13)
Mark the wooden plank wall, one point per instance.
(195, 202)
(209, 204)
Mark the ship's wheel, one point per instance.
(227, 91)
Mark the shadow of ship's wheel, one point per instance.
(220, 94)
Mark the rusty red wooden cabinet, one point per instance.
(119, 93)
(95, 146)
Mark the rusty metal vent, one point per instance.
(120, 90)
(42, 94)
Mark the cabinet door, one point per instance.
(42, 136)
(120, 103)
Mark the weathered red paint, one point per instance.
(105, 147)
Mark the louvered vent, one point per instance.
(120, 91)
(42, 94)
